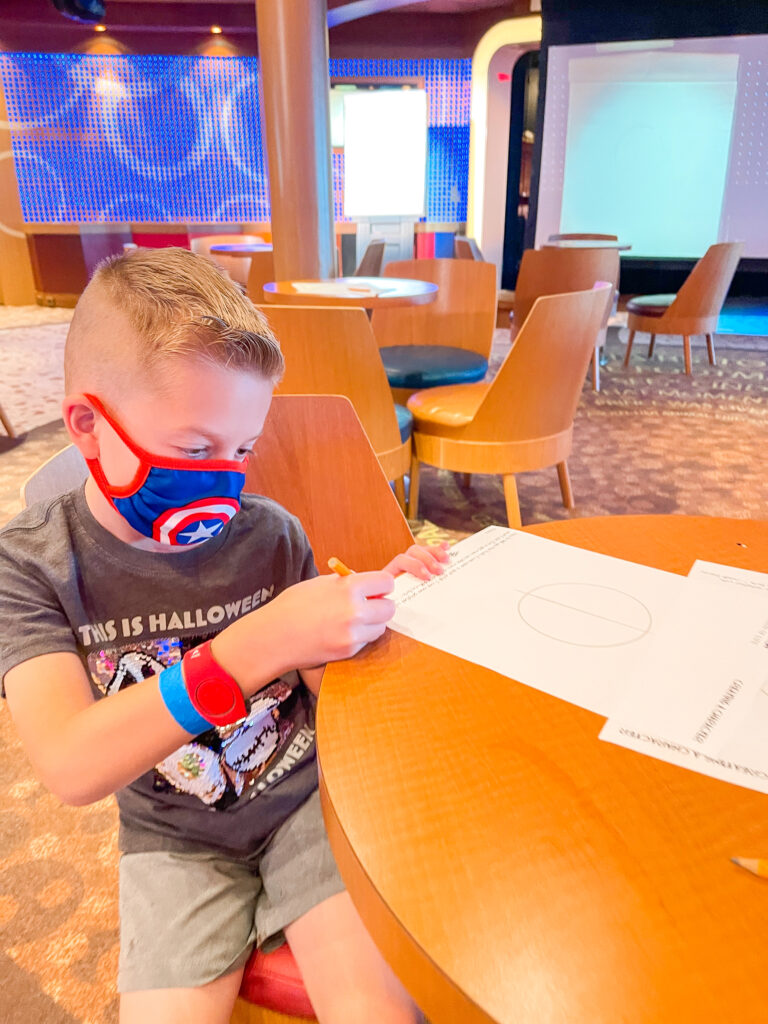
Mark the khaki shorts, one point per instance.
(188, 918)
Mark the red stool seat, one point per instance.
(273, 980)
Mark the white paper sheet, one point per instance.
(736, 751)
(705, 667)
(563, 620)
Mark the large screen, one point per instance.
(385, 152)
(663, 143)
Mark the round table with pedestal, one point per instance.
(512, 867)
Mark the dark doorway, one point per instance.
(522, 128)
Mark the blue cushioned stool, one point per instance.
(404, 422)
(429, 366)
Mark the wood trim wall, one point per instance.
(17, 283)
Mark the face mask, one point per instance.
(173, 501)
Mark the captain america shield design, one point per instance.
(196, 522)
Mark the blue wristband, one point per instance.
(173, 690)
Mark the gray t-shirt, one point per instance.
(67, 584)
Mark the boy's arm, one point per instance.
(83, 749)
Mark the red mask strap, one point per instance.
(94, 465)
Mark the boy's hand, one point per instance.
(323, 619)
(420, 561)
(332, 617)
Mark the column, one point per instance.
(293, 65)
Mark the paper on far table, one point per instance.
(340, 291)
(563, 620)
(734, 750)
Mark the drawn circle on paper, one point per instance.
(585, 614)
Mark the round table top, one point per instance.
(514, 868)
(368, 292)
(241, 248)
(586, 243)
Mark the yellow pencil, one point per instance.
(756, 865)
(336, 565)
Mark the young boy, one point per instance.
(169, 373)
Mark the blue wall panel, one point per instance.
(178, 139)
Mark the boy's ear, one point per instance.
(80, 420)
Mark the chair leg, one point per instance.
(711, 349)
(652, 345)
(596, 369)
(687, 353)
(413, 490)
(6, 423)
(565, 484)
(513, 505)
(630, 339)
(400, 492)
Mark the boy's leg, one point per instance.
(209, 1004)
(187, 927)
(347, 978)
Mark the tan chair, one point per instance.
(466, 248)
(262, 270)
(373, 257)
(554, 271)
(522, 419)
(330, 350)
(238, 267)
(579, 237)
(314, 459)
(449, 339)
(694, 309)
(63, 472)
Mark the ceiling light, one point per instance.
(215, 30)
(99, 28)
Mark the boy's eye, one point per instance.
(205, 453)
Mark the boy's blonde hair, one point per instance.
(176, 304)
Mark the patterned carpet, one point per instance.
(651, 441)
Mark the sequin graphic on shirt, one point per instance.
(218, 765)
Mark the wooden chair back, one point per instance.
(315, 459)
(466, 248)
(536, 390)
(704, 290)
(262, 270)
(581, 236)
(238, 267)
(463, 314)
(63, 472)
(372, 259)
(555, 271)
(331, 350)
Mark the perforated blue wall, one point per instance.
(178, 139)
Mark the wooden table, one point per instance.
(586, 243)
(514, 868)
(399, 291)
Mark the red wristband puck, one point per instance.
(213, 692)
